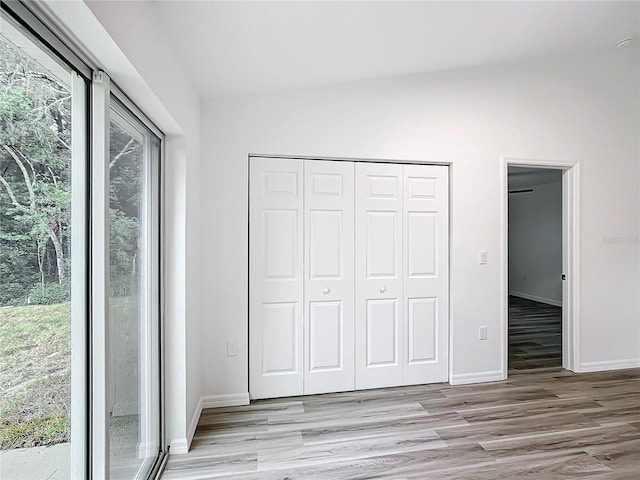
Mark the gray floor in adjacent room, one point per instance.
(535, 335)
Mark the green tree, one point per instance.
(124, 201)
(35, 137)
(35, 159)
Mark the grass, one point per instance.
(34, 375)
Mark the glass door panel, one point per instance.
(43, 240)
(133, 376)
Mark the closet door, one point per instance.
(329, 277)
(426, 274)
(378, 258)
(276, 278)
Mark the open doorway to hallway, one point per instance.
(535, 265)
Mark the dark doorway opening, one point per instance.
(535, 268)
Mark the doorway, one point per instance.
(540, 267)
(535, 268)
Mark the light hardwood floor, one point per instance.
(547, 424)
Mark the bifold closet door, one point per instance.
(329, 277)
(402, 276)
(379, 304)
(276, 283)
(426, 274)
(348, 276)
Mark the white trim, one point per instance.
(182, 445)
(191, 430)
(571, 347)
(229, 400)
(79, 284)
(609, 365)
(179, 446)
(570, 256)
(535, 298)
(504, 269)
(100, 398)
(450, 290)
(479, 377)
(355, 159)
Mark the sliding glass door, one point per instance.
(134, 346)
(80, 319)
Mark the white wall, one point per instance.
(535, 243)
(128, 40)
(581, 108)
(139, 32)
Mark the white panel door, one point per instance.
(378, 266)
(426, 274)
(329, 277)
(276, 282)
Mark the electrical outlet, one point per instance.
(232, 349)
(482, 333)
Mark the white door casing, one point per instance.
(276, 278)
(329, 277)
(378, 258)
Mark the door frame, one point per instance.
(570, 256)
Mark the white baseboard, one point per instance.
(535, 298)
(178, 446)
(480, 377)
(229, 400)
(182, 445)
(586, 367)
(194, 423)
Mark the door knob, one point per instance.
(326, 291)
(383, 289)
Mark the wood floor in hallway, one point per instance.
(535, 335)
(547, 424)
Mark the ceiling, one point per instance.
(241, 47)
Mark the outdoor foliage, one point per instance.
(35, 160)
(35, 110)
(35, 242)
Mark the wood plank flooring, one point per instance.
(546, 424)
(535, 335)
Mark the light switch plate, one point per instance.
(482, 333)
